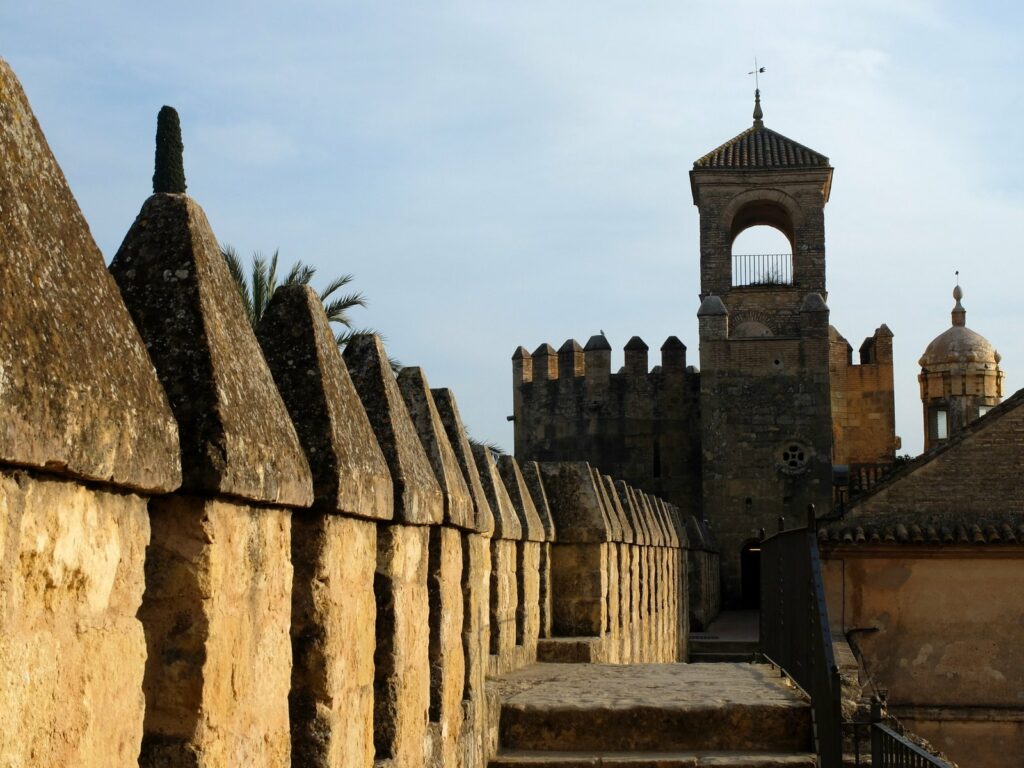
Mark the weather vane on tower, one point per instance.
(758, 114)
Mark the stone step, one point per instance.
(651, 708)
(702, 759)
(717, 657)
(722, 646)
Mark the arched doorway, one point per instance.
(750, 574)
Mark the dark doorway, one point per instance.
(750, 574)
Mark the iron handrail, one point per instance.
(762, 269)
(795, 634)
(891, 750)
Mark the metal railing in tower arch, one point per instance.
(762, 269)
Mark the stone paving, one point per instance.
(689, 714)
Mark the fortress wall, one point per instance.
(87, 437)
(637, 425)
(863, 406)
(227, 547)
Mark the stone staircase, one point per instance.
(732, 637)
(652, 716)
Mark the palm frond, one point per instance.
(496, 449)
(238, 276)
(336, 284)
(300, 274)
(337, 310)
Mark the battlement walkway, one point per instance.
(652, 716)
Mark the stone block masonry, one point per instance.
(238, 548)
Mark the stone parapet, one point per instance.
(340, 570)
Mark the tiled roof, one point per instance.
(1006, 532)
(759, 147)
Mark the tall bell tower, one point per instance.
(764, 344)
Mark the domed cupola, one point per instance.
(960, 378)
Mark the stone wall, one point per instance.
(938, 628)
(766, 426)
(228, 546)
(863, 406)
(639, 425)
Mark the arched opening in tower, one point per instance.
(762, 245)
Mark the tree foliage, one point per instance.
(257, 283)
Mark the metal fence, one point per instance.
(889, 747)
(762, 269)
(795, 631)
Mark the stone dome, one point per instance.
(959, 344)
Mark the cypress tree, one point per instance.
(169, 175)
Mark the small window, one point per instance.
(941, 425)
(983, 409)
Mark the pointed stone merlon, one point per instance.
(576, 507)
(636, 357)
(545, 363)
(458, 505)
(78, 394)
(713, 319)
(673, 356)
(483, 515)
(814, 315)
(350, 474)
(627, 500)
(597, 355)
(622, 531)
(236, 436)
(571, 362)
(877, 348)
(534, 481)
(418, 497)
(522, 501)
(522, 367)
(507, 525)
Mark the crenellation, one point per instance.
(571, 360)
(636, 357)
(545, 363)
(673, 356)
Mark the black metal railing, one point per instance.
(889, 747)
(795, 633)
(762, 269)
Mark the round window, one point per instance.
(793, 458)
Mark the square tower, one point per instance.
(764, 345)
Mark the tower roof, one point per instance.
(760, 147)
(958, 343)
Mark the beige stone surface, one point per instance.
(333, 638)
(579, 587)
(447, 655)
(401, 658)
(476, 573)
(528, 609)
(349, 471)
(72, 652)
(78, 392)
(652, 707)
(236, 436)
(504, 600)
(216, 613)
(986, 739)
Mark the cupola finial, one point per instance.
(959, 313)
(757, 71)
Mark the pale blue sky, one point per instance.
(498, 174)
